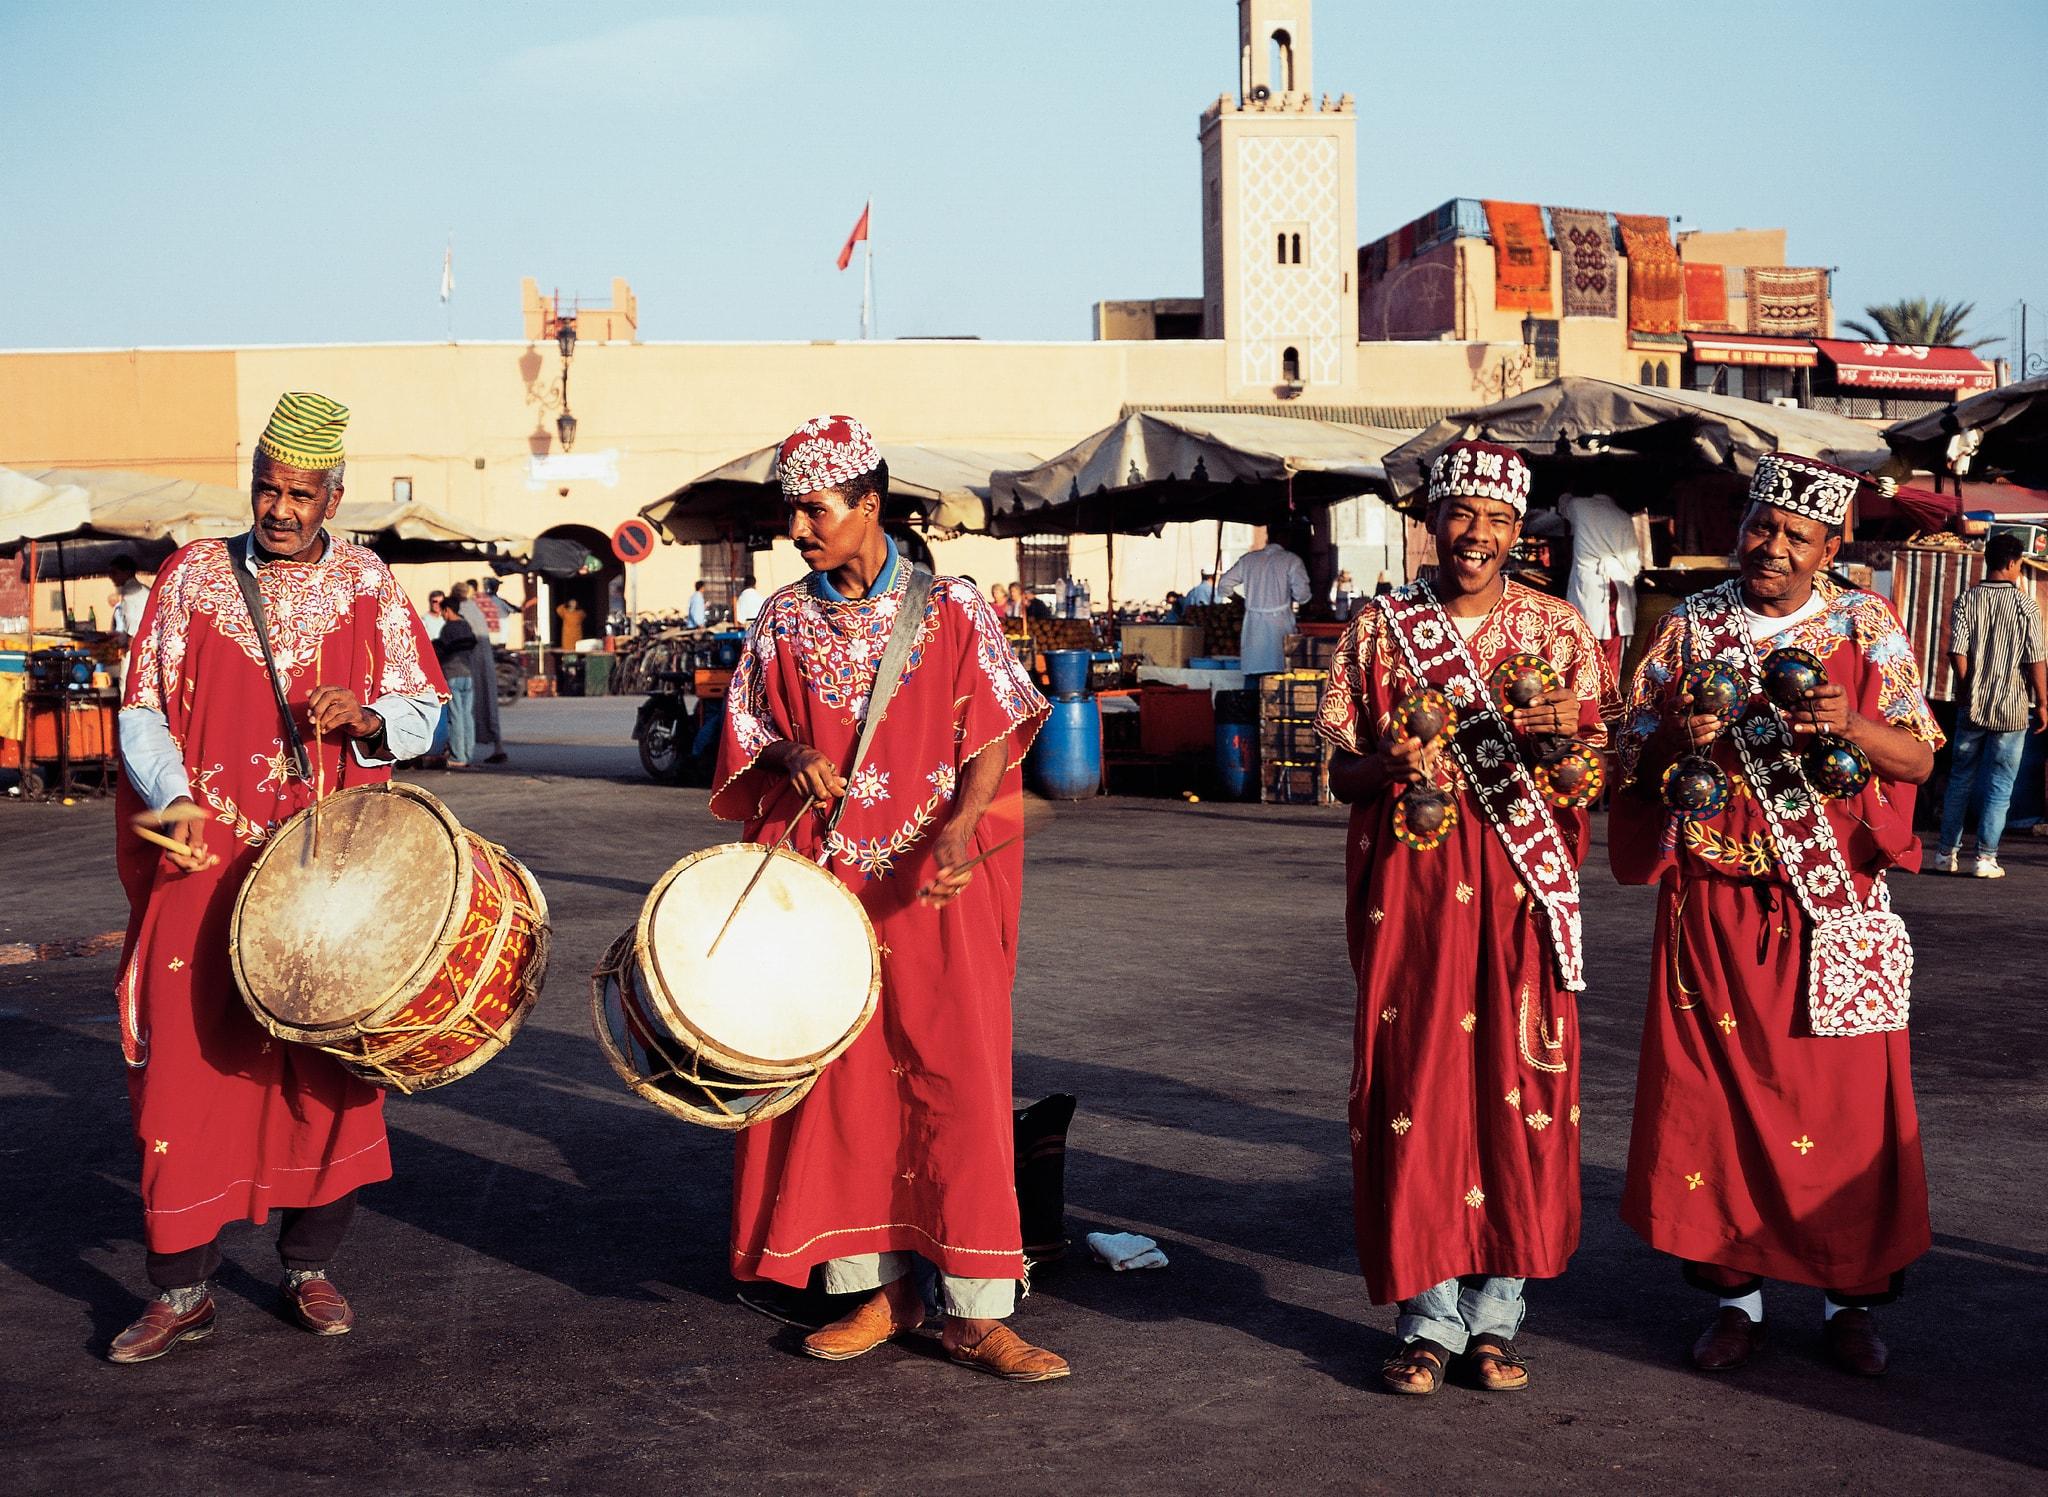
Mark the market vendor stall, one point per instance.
(936, 488)
(2002, 431)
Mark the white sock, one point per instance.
(1750, 1304)
(1829, 1309)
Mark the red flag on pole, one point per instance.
(860, 232)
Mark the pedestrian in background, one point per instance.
(455, 648)
(1995, 646)
(483, 671)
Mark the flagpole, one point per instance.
(867, 271)
(448, 284)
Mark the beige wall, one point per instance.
(465, 422)
(168, 411)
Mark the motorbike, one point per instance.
(677, 731)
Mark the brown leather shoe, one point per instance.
(1851, 1337)
(1730, 1341)
(318, 1306)
(858, 1334)
(159, 1329)
(1007, 1355)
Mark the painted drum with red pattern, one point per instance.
(376, 928)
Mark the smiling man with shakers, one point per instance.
(1465, 712)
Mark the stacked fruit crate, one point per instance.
(1294, 761)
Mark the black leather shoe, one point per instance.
(1730, 1341)
(1851, 1337)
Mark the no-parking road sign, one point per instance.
(633, 541)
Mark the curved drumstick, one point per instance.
(766, 858)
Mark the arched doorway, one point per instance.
(590, 590)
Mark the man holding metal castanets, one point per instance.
(1465, 716)
(1775, 736)
(878, 717)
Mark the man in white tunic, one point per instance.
(1606, 560)
(1275, 582)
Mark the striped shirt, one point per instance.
(1997, 628)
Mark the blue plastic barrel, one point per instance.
(1067, 670)
(1066, 758)
(1237, 771)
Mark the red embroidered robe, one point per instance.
(1757, 1146)
(1464, 1091)
(232, 1123)
(905, 1142)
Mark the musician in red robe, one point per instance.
(233, 1124)
(1775, 1133)
(904, 1146)
(1465, 933)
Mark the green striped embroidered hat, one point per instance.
(305, 431)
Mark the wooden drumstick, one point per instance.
(981, 857)
(766, 858)
(145, 826)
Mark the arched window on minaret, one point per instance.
(1290, 364)
(1295, 248)
(1280, 59)
(1280, 248)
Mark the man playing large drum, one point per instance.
(904, 1145)
(232, 1123)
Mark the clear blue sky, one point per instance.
(263, 173)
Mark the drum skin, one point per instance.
(408, 948)
(730, 1039)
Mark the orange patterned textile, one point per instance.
(1521, 257)
(1656, 281)
(1706, 298)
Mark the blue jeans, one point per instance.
(1975, 748)
(462, 720)
(1453, 1312)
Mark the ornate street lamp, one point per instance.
(565, 428)
(565, 337)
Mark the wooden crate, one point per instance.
(1291, 694)
(1296, 784)
(1309, 652)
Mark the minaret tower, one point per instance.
(1280, 214)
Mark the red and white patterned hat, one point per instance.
(826, 452)
(1481, 470)
(1804, 486)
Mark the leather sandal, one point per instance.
(1005, 1354)
(1422, 1355)
(1510, 1372)
(855, 1335)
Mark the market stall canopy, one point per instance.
(941, 488)
(2010, 427)
(1903, 366)
(1157, 467)
(1574, 425)
(154, 515)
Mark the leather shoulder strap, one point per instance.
(888, 672)
(239, 561)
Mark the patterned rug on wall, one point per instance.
(1656, 281)
(1706, 298)
(1521, 256)
(1585, 245)
(1787, 301)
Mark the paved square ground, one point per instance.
(542, 1287)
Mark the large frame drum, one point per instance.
(731, 1040)
(390, 937)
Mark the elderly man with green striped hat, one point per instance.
(265, 669)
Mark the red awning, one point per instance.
(1733, 348)
(1900, 366)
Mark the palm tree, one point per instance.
(1919, 322)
